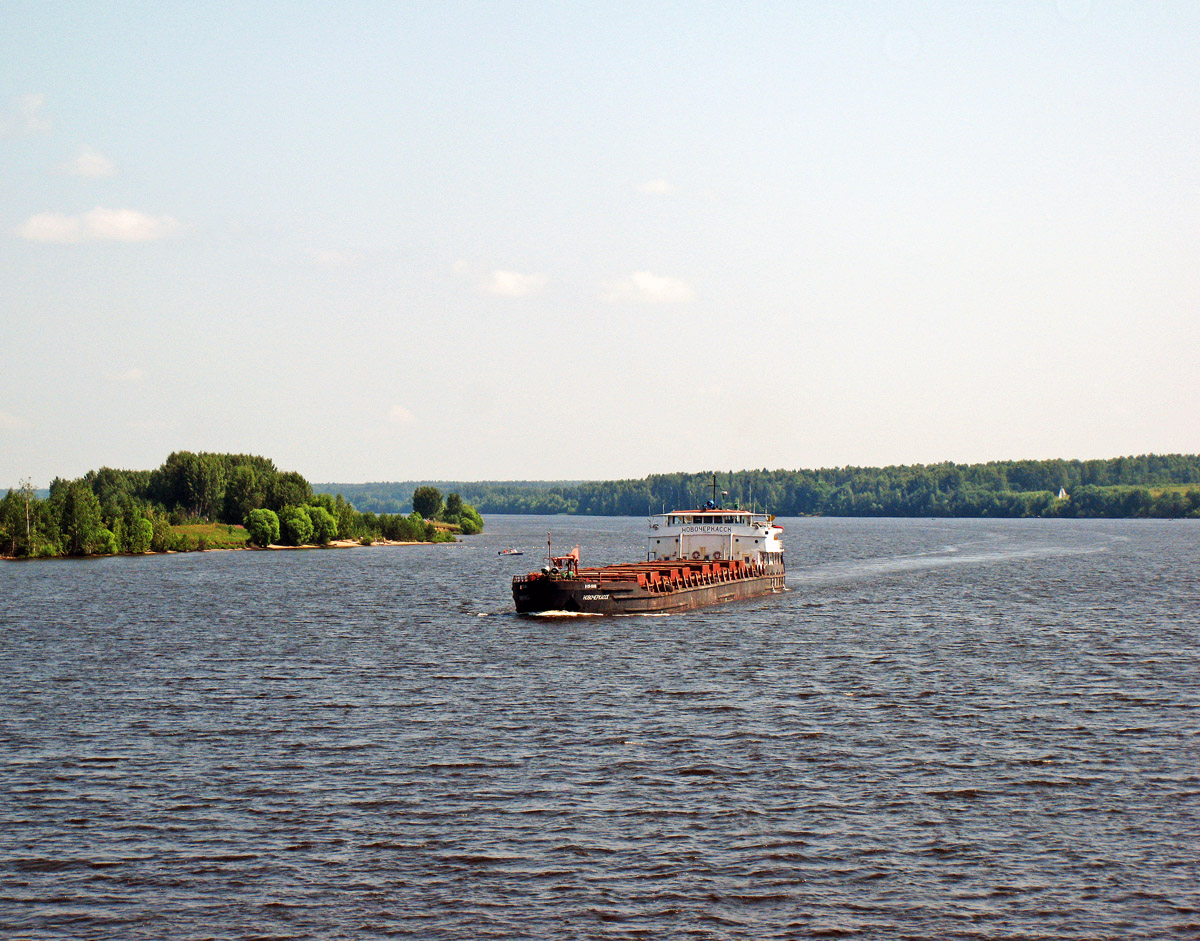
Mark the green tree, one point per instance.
(427, 501)
(118, 487)
(21, 522)
(80, 522)
(1136, 502)
(263, 527)
(194, 483)
(287, 490)
(163, 538)
(118, 530)
(106, 543)
(470, 520)
(349, 521)
(295, 526)
(1171, 504)
(244, 492)
(324, 525)
(14, 525)
(207, 486)
(326, 500)
(140, 535)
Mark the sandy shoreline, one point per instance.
(333, 544)
(346, 544)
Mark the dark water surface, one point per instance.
(952, 729)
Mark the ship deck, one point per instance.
(662, 574)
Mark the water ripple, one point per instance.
(953, 729)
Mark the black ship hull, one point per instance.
(645, 588)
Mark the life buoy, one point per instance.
(696, 554)
(717, 555)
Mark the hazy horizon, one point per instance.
(381, 242)
(563, 481)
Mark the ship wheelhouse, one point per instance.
(713, 534)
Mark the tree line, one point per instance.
(111, 511)
(397, 496)
(1148, 485)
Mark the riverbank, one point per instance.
(247, 547)
(199, 502)
(354, 544)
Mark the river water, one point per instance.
(945, 729)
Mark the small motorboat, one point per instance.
(510, 551)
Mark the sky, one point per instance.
(380, 241)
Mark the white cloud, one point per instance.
(98, 225)
(52, 227)
(656, 188)
(26, 117)
(514, 284)
(401, 416)
(132, 376)
(12, 422)
(90, 164)
(127, 225)
(649, 288)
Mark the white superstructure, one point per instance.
(713, 534)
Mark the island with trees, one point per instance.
(198, 501)
(1150, 485)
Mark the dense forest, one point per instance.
(111, 511)
(1149, 485)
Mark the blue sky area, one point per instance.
(383, 241)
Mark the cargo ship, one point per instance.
(693, 558)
